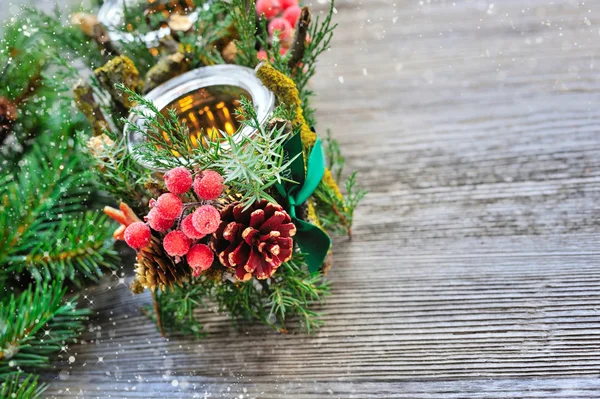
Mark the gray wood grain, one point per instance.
(474, 268)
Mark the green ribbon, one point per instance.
(312, 240)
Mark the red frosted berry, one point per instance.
(285, 4)
(187, 226)
(261, 55)
(169, 205)
(270, 8)
(291, 14)
(178, 180)
(208, 185)
(200, 257)
(176, 243)
(206, 219)
(283, 26)
(137, 235)
(157, 221)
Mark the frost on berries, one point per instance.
(187, 226)
(178, 180)
(200, 257)
(206, 219)
(282, 16)
(208, 185)
(176, 243)
(158, 222)
(137, 235)
(169, 214)
(169, 206)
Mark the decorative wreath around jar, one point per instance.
(203, 129)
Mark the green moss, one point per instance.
(286, 92)
(119, 69)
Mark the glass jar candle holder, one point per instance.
(205, 100)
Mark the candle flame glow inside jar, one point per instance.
(205, 100)
(209, 111)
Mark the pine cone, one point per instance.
(255, 241)
(8, 115)
(154, 268)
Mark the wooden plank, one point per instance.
(473, 271)
(195, 387)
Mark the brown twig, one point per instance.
(34, 83)
(343, 219)
(101, 37)
(8, 115)
(158, 318)
(297, 49)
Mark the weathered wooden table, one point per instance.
(474, 269)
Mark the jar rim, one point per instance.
(245, 78)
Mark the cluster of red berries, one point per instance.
(169, 208)
(282, 16)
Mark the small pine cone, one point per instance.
(8, 115)
(155, 269)
(136, 287)
(225, 200)
(255, 241)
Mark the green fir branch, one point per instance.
(18, 386)
(294, 292)
(253, 165)
(336, 214)
(36, 324)
(289, 295)
(177, 307)
(119, 174)
(60, 35)
(333, 155)
(168, 142)
(83, 249)
(39, 216)
(213, 25)
(244, 301)
(273, 48)
(243, 13)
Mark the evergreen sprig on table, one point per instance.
(289, 297)
(21, 387)
(36, 324)
(44, 227)
(335, 213)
